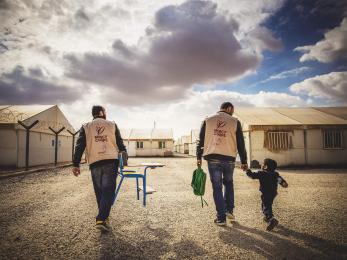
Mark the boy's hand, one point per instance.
(285, 184)
(244, 166)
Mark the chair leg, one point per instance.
(117, 190)
(144, 190)
(137, 189)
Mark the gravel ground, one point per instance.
(50, 215)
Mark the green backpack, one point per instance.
(198, 184)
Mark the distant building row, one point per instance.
(186, 144)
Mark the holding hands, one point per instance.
(244, 166)
(76, 171)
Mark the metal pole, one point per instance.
(56, 143)
(73, 142)
(27, 143)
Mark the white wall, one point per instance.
(167, 151)
(8, 147)
(192, 149)
(293, 156)
(319, 156)
(150, 148)
(316, 155)
(41, 149)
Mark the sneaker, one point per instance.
(230, 216)
(219, 222)
(101, 225)
(266, 219)
(272, 223)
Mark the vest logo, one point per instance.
(100, 129)
(99, 137)
(218, 131)
(220, 124)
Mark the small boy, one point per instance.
(268, 179)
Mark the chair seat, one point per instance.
(132, 175)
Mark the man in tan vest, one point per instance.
(220, 140)
(101, 141)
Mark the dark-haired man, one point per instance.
(102, 141)
(220, 140)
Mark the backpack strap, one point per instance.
(202, 202)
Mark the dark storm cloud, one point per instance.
(188, 44)
(81, 19)
(4, 4)
(22, 88)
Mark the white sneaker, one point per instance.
(230, 216)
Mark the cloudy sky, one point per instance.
(172, 61)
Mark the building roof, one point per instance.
(47, 116)
(162, 134)
(309, 116)
(147, 134)
(340, 112)
(11, 114)
(262, 116)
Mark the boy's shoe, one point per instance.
(266, 219)
(230, 216)
(272, 223)
(219, 222)
(101, 225)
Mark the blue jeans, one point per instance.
(104, 181)
(221, 173)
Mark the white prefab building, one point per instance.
(42, 141)
(295, 136)
(184, 144)
(148, 142)
(194, 136)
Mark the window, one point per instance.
(161, 145)
(277, 141)
(333, 139)
(139, 145)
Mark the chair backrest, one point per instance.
(120, 163)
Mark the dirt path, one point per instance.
(50, 215)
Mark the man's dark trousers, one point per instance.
(104, 178)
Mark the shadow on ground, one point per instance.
(278, 243)
(158, 244)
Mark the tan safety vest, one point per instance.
(220, 135)
(100, 140)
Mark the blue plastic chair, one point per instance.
(132, 174)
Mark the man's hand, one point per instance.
(244, 166)
(198, 163)
(285, 184)
(76, 171)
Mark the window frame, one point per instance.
(139, 145)
(278, 140)
(332, 140)
(161, 145)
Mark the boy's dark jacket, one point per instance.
(268, 180)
